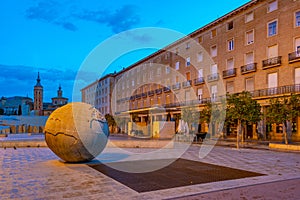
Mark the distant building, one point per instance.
(41, 108)
(98, 93)
(38, 97)
(16, 105)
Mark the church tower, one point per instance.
(38, 96)
(59, 100)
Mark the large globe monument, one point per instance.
(76, 132)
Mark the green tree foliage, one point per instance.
(110, 121)
(283, 110)
(214, 114)
(241, 108)
(19, 110)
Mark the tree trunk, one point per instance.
(286, 141)
(239, 127)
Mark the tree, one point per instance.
(110, 121)
(20, 110)
(241, 108)
(190, 115)
(283, 110)
(213, 114)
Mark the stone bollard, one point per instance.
(13, 129)
(35, 129)
(29, 130)
(41, 129)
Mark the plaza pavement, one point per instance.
(36, 173)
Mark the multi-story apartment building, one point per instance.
(99, 93)
(254, 48)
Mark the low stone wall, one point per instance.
(289, 147)
(22, 129)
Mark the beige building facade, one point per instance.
(254, 48)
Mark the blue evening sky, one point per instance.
(55, 36)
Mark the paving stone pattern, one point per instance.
(36, 173)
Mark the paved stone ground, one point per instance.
(36, 173)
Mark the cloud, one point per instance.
(19, 80)
(120, 20)
(54, 12)
(50, 11)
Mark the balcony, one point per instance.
(132, 98)
(229, 73)
(177, 86)
(167, 89)
(187, 84)
(248, 68)
(213, 77)
(138, 96)
(271, 62)
(151, 93)
(199, 81)
(158, 91)
(294, 57)
(144, 94)
(276, 91)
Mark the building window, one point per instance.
(213, 51)
(272, 6)
(272, 80)
(230, 63)
(249, 58)
(249, 84)
(187, 95)
(297, 18)
(230, 44)
(200, 57)
(249, 17)
(188, 76)
(167, 69)
(230, 87)
(188, 45)
(200, 73)
(273, 51)
(200, 93)
(272, 28)
(188, 61)
(249, 37)
(297, 76)
(177, 65)
(158, 71)
(213, 33)
(214, 92)
(200, 39)
(214, 69)
(230, 25)
(297, 46)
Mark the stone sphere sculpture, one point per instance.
(76, 132)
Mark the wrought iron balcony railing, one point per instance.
(248, 68)
(150, 93)
(158, 91)
(167, 89)
(294, 56)
(213, 77)
(199, 81)
(276, 91)
(187, 83)
(144, 94)
(177, 86)
(229, 73)
(271, 62)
